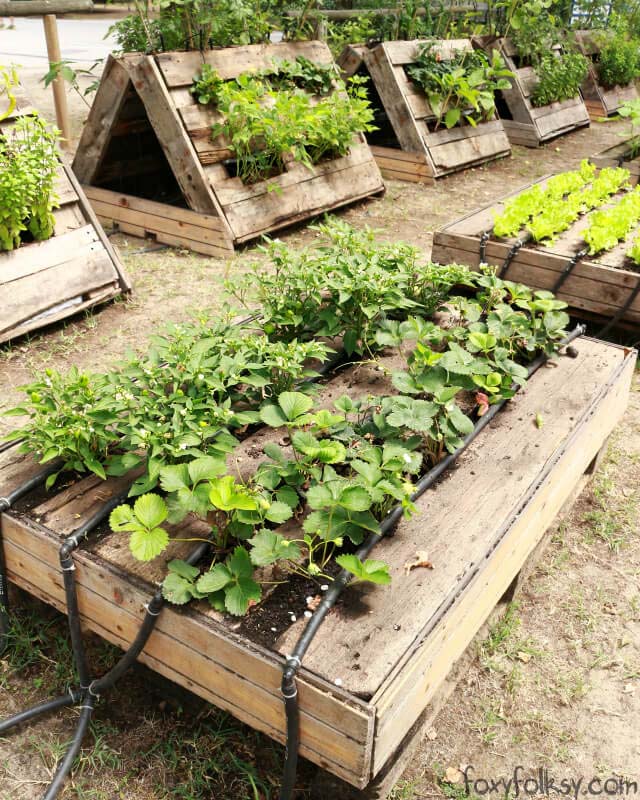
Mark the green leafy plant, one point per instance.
(462, 88)
(8, 82)
(369, 570)
(302, 74)
(347, 288)
(559, 78)
(618, 61)
(265, 128)
(70, 418)
(144, 521)
(611, 225)
(28, 168)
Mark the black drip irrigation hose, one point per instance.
(513, 252)
(88, 692)
(621, 311)
(483, 246)
(566, 272)
(293, 662)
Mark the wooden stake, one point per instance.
(59, 90)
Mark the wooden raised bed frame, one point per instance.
(423, 154)
(77, 268)
(524, 124)
(391, 648)
(621, 155)
(600, 102)
(147, 135)
(598, 286)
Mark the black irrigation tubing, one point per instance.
(621, 311)
(483, 245)
(566, 272)
(513, 252)
(294, 661)
(87, 693)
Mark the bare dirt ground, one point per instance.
(555, 686)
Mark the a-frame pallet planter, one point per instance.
(148, 140)
(77, 268)
(525, 124)
(600, 102)
(421, 154)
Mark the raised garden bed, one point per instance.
(600, 101)
(523, 123)
(605, 285)
(77, 268)
(148, 161)
(409, 145)
(382, 654)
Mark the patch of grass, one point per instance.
(614, 521)
(502, 642)
(405, 790)
(491, 719)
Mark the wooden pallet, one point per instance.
(524, 124)
(77, 268)
(599, 286)
(620, 155)
(148, 139)
(600, 102)
(384, 653)
(422, 154)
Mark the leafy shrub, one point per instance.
(559, 78)
(28, 168)
(193, 25)
(461, 88)
(619, 61)
(264, 126)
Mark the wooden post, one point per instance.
(59, 90)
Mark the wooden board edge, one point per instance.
(416, 674)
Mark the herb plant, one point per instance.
(619, 61)
(265, 126)
(460, 89)
(559, 78)
(28, 168)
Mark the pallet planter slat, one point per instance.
(77, 268)
(147, 140)
(625, 154)
(600, 102)
(599, 285)
(392, 649)
(524, 124)
(422, 154)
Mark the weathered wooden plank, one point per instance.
(446, 636)
(303, 198)
(398, 165)
(98, 128)
(36, 257)
(448, 156)
(69, 278)
(180, 68)
(404, 52)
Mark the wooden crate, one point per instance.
(597, 285)
(383, 653)
(422, 154)
(147, 147)
(524, 124)
(77, 268)
(600, 102)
